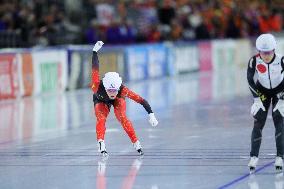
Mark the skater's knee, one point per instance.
(257, 139)
(260, 120)
(257, 129)
(125, 121)
(277, 115)
(101, 119)
(278, 134)
(260, 116)
(121, 117)
(101, 123)
(278, 122)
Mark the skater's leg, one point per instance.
(279, 135)
(259, 122)
(279, 129)
(120, 113)
(101, 111)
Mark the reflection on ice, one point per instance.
(254, 181)
(29, 117)
(127, 182)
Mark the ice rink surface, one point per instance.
(202, 140)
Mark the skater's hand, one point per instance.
(98, 46)
(257, 105)
(280, 107)
(152, 120)
(280, 95)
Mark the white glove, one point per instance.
(280, 95)
(280, 107)
(98, 46)
(152, 120)
(257, 105)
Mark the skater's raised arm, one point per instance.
(95, 80)
(137, 98)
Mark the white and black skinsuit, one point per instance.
(266, 81)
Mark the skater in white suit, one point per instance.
(265, 78)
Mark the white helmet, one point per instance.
(265, 42)
(112, 80)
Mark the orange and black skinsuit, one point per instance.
(103, 103)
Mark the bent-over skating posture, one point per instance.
(111, 92)
(265, 78)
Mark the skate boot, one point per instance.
(102, 148)
(278, 163)
(138, 147)
(252, 164)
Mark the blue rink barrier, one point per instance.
(132, 62)
(146, 61)
(136, 63)
(157, 61)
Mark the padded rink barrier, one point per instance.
(28, 72)
(32, 72)
(9, 82)
(146, 61)
(50, 71)
(80, 64)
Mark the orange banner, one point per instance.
(27, 71)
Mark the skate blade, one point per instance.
(141, 153)
(104, 155)
(251, 170)
(278, 168)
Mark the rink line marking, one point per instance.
(118, 156)
(245, 176)
(110, 165)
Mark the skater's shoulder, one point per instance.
(124, 87)
(255, 56)
(252, 59)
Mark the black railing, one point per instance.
(10, 39)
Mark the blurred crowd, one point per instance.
(55, 22)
